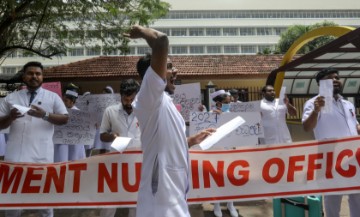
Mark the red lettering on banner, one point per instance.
(351, 171)
(77, 168)
(195, 174)
(13, 180)
(57, 179)
(280, 172)
(125, 177)
(111, 180)
(294, 167)
(312, 165)
(245, 174)
(217, 175)
(357, 155)
(29, 177)
(329, 165)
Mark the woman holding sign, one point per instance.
(65, 152)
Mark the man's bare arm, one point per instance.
(159, 44)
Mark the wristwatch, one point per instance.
(46, 116)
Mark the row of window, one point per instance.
(175, 50)
(280, 14)
(226, 31)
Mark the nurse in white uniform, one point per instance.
(67, 152)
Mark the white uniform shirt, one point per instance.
(273, 117)
(165, 168)
(30, 138)
(341, 122)
(117, 120)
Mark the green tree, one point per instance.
(294, 32)
(48, 27)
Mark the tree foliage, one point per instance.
(294, 32)
(48, 27)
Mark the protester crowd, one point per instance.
(147, 111)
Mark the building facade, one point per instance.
(212, 27)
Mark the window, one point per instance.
(9, 70)
(248, 49)
(76, 52)
(231, 49)
(95, 51)
(213, 31)
(12, 54)
(247, 31)
(264, 31)
(178, 32)
(196, 32)
(178, 49)
(110, 52)
(196, 49)
(278, 30)
(230, 31)
(143, 50)
(213, 49)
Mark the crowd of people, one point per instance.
(147, 111)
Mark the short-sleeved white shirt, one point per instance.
(341, 122)
(30, 138)
(117, 120)
(273, 117)
(165, 168)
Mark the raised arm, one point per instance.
(159, 44)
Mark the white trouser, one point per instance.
(17, 213)
(110, 212)
(63, 152)
(333, 204)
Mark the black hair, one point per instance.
(143, 64)
(129, 87)
(34, 64)
(263, 90)
(325, 72)
(220, 98)
(233, 92)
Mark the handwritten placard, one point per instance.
(245, 135)
(53, 86)
(189, 97)
(96, 104)
(80, 129)
(253, 106)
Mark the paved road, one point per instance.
(262, 208)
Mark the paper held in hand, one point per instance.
(221, 132)
(120, 144)
(21, 109)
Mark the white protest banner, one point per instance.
(96, 104)
(112, 180)
(252, 106)
(80, 130)
(189, 97)
(247, 134)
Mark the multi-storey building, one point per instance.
(231, 27)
